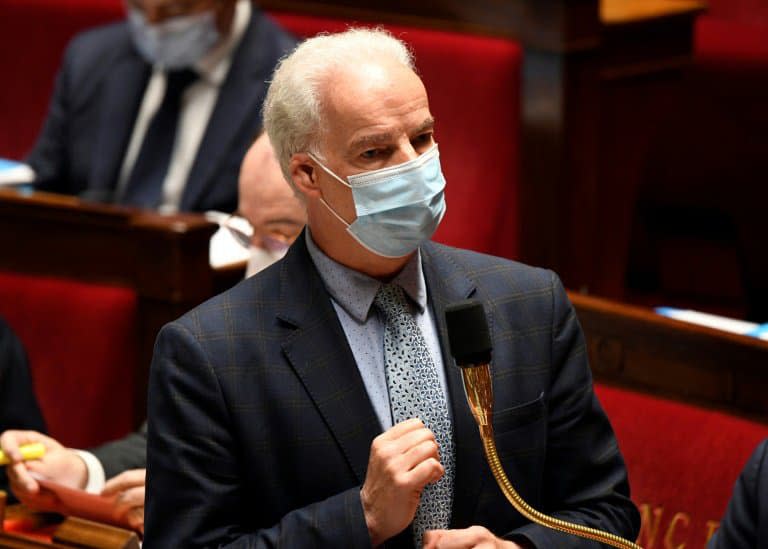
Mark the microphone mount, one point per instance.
(470, 345)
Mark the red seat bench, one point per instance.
(683, 461)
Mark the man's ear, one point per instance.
(304, 175)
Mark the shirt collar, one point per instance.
(355, 291)
(213, 67)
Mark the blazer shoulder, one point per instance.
(251, 300)
(270, 35)
(484, 268)
(96, 49)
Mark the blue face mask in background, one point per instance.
(398, 207)
(177, 43)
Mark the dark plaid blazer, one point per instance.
(260, 425)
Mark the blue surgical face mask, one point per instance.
(177, 43)
(399, 207)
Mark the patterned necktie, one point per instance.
(415, 391)
(145, 184)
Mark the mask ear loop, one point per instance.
(340, 180)
(328, 170)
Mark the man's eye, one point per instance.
(370, 154)
(423, 138)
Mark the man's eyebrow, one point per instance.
(428, 124)
(283, 221)
(365, 141)
(373, 139)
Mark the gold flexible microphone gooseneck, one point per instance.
(470, 345)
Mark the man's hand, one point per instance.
(403, 460)
(475, 537)
(129, 504)
(58, 464)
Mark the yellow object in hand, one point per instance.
(35, 450)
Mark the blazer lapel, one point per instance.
(318, 351)
(446, 285)
(124, 90)
(240, 96)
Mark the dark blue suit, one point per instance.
(745, 524)
(97, 98)
(260, 425)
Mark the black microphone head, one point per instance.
(468, 335)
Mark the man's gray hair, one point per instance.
(292, 108)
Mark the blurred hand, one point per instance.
(59, 464)
(128, 486)
(475, 537)
(403, 460)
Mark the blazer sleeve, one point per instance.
(585, 475)
(195, 492)
(49, 155)
(740, 525)
(127, 453)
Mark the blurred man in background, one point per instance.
(158, 111)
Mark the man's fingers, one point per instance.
(472, 537)
(424, 473)
(421, 452)
(431, 538)
(414, 438)
(10, 441)
(133, 497)
(21, 480)
(125, 480)
(136, 519)
(401, 428)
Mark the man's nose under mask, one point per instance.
(398, 207)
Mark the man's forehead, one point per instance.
(374, 98)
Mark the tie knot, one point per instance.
(390, 299)
(178, 80)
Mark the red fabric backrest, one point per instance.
(473, 85)
(746, 11)
(81, 341)
(682, 460)
(733, 32)
(33, 35)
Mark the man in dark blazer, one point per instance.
(103, 103)
(745, 524)
(268, 424)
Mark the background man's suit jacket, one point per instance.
(260, 425)
(745, 524)
(129, 452)
(97, 98)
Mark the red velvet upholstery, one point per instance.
(682, 460)
(33, 34)
(80, 339)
